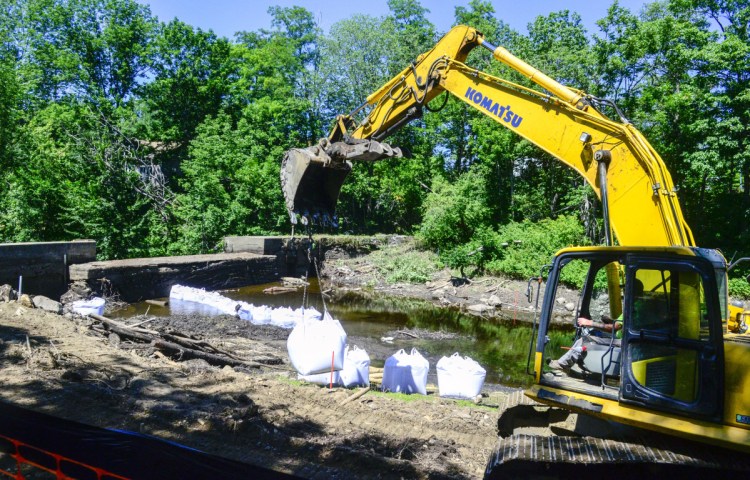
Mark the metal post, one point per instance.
(603, 158)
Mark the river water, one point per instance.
(500, 346)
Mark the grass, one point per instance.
(405, 263)
(433, 397)
(404, 397)
(395, 262)
(292, 381)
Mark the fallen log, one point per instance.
(293, 281)
(356, 395)
(278, 290)
(142, 322)
(440, 285)
(408, 334)
(197, 344)
(115, 323)
(184, 351)
(158, 303)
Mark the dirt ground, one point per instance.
(75, 368)
(72, 367)
(61, 365)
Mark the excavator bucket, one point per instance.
(311, 187)
(311, 178)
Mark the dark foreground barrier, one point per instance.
(33, 443)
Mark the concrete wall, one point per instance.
(292, 252)
(48, 268)
(43, 265)
(138, 279)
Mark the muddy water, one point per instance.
(383, 325)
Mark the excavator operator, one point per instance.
(607, 325)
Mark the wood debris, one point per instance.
(183, 347)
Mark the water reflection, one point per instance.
(500, 346)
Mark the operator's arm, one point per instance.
(603, 326)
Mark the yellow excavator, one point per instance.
(678, 363)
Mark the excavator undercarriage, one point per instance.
(539, 441)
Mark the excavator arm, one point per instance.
(639, 199)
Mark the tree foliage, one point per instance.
(158, 137)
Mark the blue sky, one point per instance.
(226, 17)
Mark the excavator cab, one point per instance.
(670, 354)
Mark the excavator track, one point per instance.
(564, 453)
(568, 457)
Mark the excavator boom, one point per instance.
(312, 177)
(612, 156)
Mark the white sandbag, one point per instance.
(309, 312)
(178, 292)
(460, 377)
(406, 372)
(312, 343)
(284, 317)
(356, 370)
(92, 306)
(186, 307)
(261, 315)
(322, 378)
(245, 312)
(198, 295)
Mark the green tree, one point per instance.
(454, 212)
(684, 66)
(10, 87)
(190, 71)
(357, 57)
(231, 181)
(414, 33)
(299, 27)
(77, 180)
(93, 49)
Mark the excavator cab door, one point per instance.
(672, 350)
